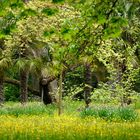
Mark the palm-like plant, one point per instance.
(7, 24)
(5, 62)
(28, 40)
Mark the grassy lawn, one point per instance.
(36, 121)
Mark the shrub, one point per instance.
(11, 93)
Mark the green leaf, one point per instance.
(28, 12)
(49, 11)
(16, 5)
(112, 32)
(10, 15)
(6, 31)
(2, 12)
(46, 33)
(49, 32)
(101, 19)
(57, 1)
(118, 21)
(65, 31)
(2, 35)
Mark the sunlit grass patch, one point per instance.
(32, 108)
(111, 113)
(38, 108)
(65, 127)
(37, 121)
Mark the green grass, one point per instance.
(137, 104)
(73, 108)
(37, 121)
(38, 108)
(32, 108)
(111, 113)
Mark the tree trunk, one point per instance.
(60, 94)
(24, 86)
(44, 91)
(88, 85)
(1, 89)
(122, 69)
(47, 99)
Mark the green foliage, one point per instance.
(72, 108)
(111, 113)
(103, 95)
(49, 11)
(137, 104)
(17, 4)
(57, 1)
(127, 114)
(48, 33)
(35, 108)
(77, 32)
(136, 83)
(114, 94)
(11, 93)
(28, 12)
(73, 80)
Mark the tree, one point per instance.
(99, 36)
(5, 26)
(102, 25)
(27, 40)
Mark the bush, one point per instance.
(11, 93)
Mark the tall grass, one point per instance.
(111, 113)
(73, 108)
(32, 108)
(38, 108)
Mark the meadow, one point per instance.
(36, 121)
(54, 53)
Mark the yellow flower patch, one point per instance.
(65, 127)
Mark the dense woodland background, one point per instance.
(80, 49)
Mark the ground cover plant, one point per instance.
(111, 113)
(65, 127)
(36, 121)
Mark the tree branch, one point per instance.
(17, 83)
(113, 5)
